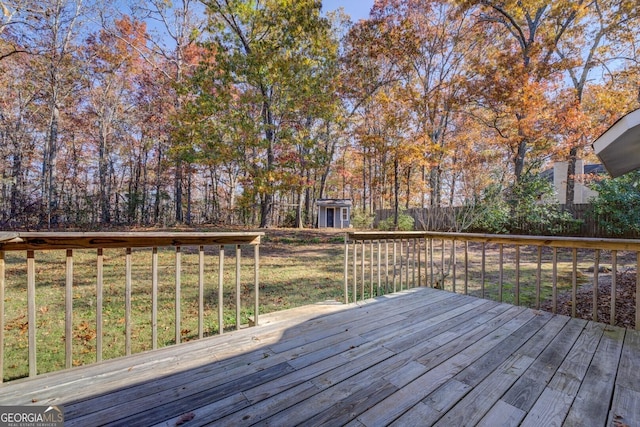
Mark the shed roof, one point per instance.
(619, 146)
(334, 202)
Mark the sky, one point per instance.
(357, 9)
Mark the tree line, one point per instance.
(236, 112)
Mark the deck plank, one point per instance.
(625, 408)
(591, 405)
(418, 357)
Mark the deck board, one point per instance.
(418, 357)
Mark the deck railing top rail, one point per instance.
(550, 241)
(86, 240)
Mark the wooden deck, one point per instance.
(417, 358)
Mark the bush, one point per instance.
(405, 223)
(529, 209)
(617, 206)
(362, 220)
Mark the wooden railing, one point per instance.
(23, 276)
(534, 271)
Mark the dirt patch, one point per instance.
(625, 300)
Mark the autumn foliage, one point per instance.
(243, 113)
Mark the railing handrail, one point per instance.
(109, 240)
(551, 241)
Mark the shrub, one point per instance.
(362, 220)
(617, 206)
(405, 223)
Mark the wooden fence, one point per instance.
(32, 283)
(446, 219)
(535, 271)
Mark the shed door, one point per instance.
(330, 217)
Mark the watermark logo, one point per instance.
(31, 416)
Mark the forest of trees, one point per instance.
(244, 112)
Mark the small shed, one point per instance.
(334, 213)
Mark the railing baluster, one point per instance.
(466, 267)
(371, 269)
(538, 277)
(154, 298)
(554, 296)
(201, 291)
(386, 265)
(394, 265)
(178, 294)
(364, 255)
(431, 263)
(614, 274)
(355, 271)
(574, 283)
(454, 261)
(412, 256)
(596, 273)
(517, 285)
(68, 311)
(442, 263)
(346, 269)
(420, 263)
(484, 262)
(501, 271)
(127, 302)
(401, 259)
(31, 311)
(238, 287)
(221, 289)
(379, 268)
(256, 282)
(99, 302)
